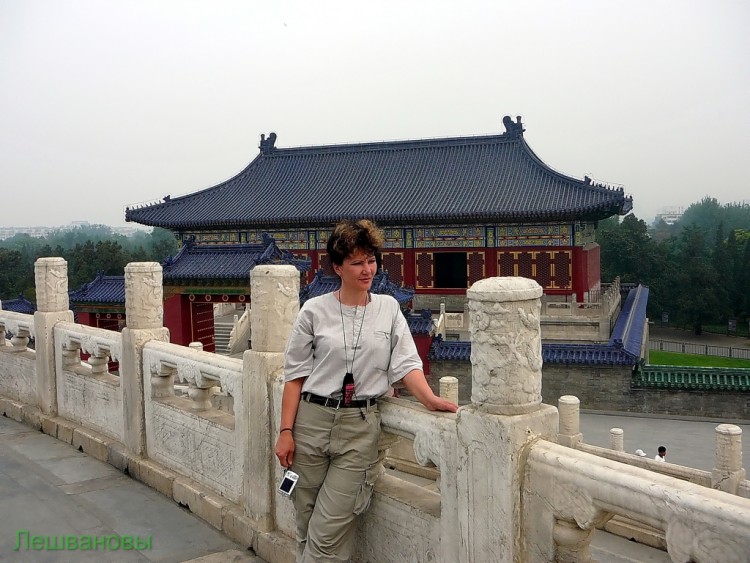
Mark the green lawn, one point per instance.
(675, 359)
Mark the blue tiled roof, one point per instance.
(381, 284)
(102, 289)
(623, 348)
(587, 354)
(455, 350)
(19, 305)
(226, 261)
(627, 333)
(194, 261)
(494, 178)
(420, 323)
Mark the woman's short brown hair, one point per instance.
(349, 236)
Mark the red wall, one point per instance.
(586, 269)
(177, 319)
(423, 342)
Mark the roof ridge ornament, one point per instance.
(267, 145)
(513, 130)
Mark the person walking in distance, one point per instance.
(662, 453)
(346, 349)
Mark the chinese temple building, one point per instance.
(453, 210)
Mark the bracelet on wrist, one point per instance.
(283, 429)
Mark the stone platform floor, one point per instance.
(51, 489)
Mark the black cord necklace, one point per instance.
(343, 331)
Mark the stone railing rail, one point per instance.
(601, 304)
(20, 326)
(505, 492)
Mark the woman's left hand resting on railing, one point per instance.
(416, 383)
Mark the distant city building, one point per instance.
(8, 232)
(670, 215)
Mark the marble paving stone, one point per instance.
(51, 489)
(38, 446)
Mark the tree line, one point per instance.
(89, 251)
(697, 270)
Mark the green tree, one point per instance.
(708, 213)
(697, 299)
(722, 266)
(15, 277)
(626, 251)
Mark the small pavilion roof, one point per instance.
(19, 305)
(492, 178)
(193, 261)
(420, 322)
(226, 261)
(381, 284)
(102, 289)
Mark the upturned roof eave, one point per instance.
(520, 216)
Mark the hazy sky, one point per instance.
(105, 104)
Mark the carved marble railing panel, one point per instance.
(566, 485)
(188, 435)
(21, 326)
(436, 442)
(201, 370)
(86, 392)
(101, 344)
(17, 373)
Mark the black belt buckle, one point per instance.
(334, 403)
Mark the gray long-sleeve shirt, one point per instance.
(384, 353)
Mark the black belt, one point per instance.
(337, 403)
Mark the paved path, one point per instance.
(689, 441)
(678, 335)
(51, 489)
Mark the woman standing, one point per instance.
(346, 349)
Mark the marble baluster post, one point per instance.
(569, 407)
(505, 417)
(275, 303)
(144, 312)
(51, 279)
(728, 472)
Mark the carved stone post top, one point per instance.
(51, 280)
(275, 295)
(144, 304)
(500, 289)
(274, 271)
(142, 267)
(569, 400)
(729, 429)
(50, 262)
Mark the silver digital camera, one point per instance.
(288, 482)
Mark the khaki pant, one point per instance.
(335, 456)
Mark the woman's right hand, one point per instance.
(285, 449)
